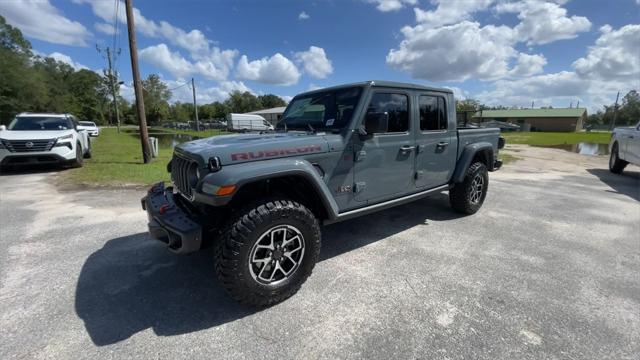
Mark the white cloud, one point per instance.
(528, 65)
(543, 22)
(42, 21)
(277, 70)
(67, 60)
(216, 67)
(615, 56)
(391, 5)
(105, 28)
(454, 52)
(303, 16)
(458, 93)
(541, 88)
(204, 94)
(315, 62)
(127, 92)
(210, 61)
(161, 57)
(450, 12)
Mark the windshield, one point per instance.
(38, 123)
(87, 123)
(327, 110)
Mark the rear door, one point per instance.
(436, 141)
(384, 163)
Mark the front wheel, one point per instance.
(467, 197)
(268, 252)
(79, 160)
(616, 165)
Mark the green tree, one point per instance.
(629, 112)
(156, 99)
(182, 112)
(242, 102)
(215, 110)
(270, 101)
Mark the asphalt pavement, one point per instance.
(548, 268)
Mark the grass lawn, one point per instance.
(117, 160)
(556, 138)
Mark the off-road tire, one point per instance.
(79, 160)
(616, 165)
(233, 250)
(460, 196)
(88, 154)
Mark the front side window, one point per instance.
(432, 113)
(37, 123)
(327, 110)
(397, 108)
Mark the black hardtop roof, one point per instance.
(382, 83)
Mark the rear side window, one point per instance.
(433, 113)
(396, 105)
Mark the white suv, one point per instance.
(43, 139)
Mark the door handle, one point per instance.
(406, 148)
(442, 144)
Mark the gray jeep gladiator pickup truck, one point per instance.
(337, 153)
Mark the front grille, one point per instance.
(28, 145)
(181, 175)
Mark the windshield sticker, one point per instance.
(330, 122)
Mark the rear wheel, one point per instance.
(87, 155)
(616, 165)
(268, 252)
(468, 196)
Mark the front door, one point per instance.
(384, 162)
(435, 141)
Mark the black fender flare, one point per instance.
(468, 154)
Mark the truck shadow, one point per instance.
(627, 183)
(134, 283)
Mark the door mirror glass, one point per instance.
(376, 122)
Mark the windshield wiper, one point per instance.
(311, 128)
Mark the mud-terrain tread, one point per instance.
(459, 194)
(238, 234)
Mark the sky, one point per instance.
(501, 52)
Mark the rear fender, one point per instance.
(468, 154)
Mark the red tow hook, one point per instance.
(164, 208)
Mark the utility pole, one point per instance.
(113, 76)
(137, 84)
(195, 106)
(615, 113)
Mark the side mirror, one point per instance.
(3, 127)
(376, 122)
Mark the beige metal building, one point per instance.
(562, 120)
(272, 115)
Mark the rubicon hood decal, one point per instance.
(252, 155)
(234, 149)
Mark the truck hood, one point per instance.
(233, 149)
(33, 134)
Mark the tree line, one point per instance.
(33, 83)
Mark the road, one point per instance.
(549, 268)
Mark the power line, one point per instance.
(179, 86)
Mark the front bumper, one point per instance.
(57, 155)
(170, 222)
